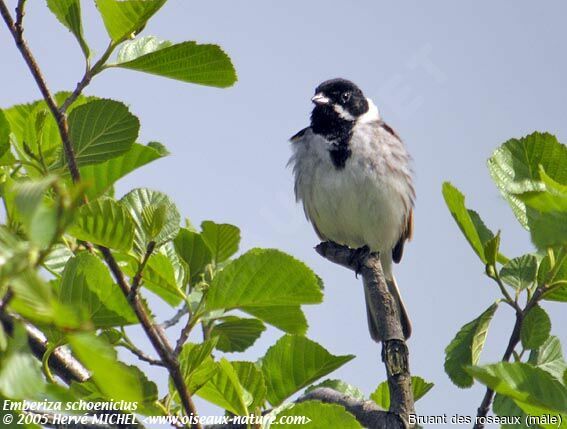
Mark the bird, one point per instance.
(354, 178)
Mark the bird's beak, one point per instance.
(320, 99)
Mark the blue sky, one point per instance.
(454, 79)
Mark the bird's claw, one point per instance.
(357, 259)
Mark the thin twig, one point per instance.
(140, 354)
(155, 334)
(191, 322)
(138, 276)
(176, 318)
(90, 72)
(20, 13)
(8, 296)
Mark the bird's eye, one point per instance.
(345, 96)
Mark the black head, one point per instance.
(338, 104)
(338, 100)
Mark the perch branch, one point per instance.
(386, 313)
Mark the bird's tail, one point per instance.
(404, 318)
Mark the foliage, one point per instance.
(531, 174)
(76, 262)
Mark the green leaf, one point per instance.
(114, 379)
(34, 300)
(318, 415)
(545, 196)
(101, 130)
(56, 259)
(491, 248)
(293, 363)
(382, 395)
(553, 277)
(21, 116)
(419, 388)
(547, 229)
(104, 222)
(525, 384)
(549, 357)
(222, 239)
(341, 387)
(465, 348)
(38, 216)
(20, 374)
(520, 272)
(138, 200)
(194, 251)
(153, 220)
(68, 12)
(139, 47)
(263, 277)
(100, 177)
(3, 339)
(505, 407)
(236, 334)
(4, 134)
(288, 318)
(15, 255)
(518, 161)
(87, 286)
(124, 18)
(186, 61)
(41, 139)
(197, 366)
(252, 380)
(160, 277)
(224, 389)
(7, 158)
(472, 227)
(536, 327)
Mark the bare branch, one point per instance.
(394, 349)
(140, 354)
(176, 318)
(138, 276)
(20, 13)
(367, 413)
(61, 361)
(90, 72)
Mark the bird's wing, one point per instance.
(297, 136)
(398, 250)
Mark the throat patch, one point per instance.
(326, 122)
(340, 153)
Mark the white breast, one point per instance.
(366, 202)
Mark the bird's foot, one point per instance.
(358, 257)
